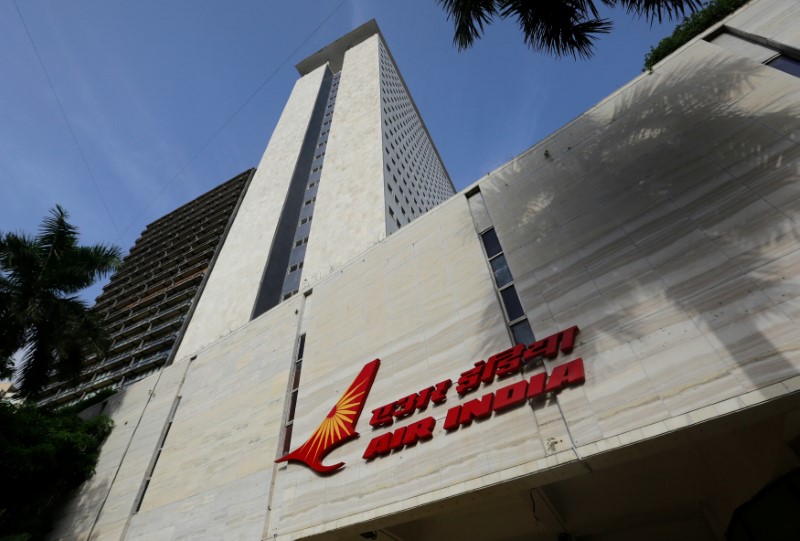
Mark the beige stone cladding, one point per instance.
(229, 296)
(213, 477)
(423, 303)
(663, 222)
(349, 211)
(103, 505)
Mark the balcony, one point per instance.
(171, 324)
(150, 361)
(161, 343)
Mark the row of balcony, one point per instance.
(169, 257)
(154, 304)
(186, 223)
(150, 289)
(230, 191)
(101, 379)
(145, 275)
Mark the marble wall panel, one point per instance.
(669, 289)
(213, 475)
(229, 296)
(350, 203)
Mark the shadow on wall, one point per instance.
(658, 222)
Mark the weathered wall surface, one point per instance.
(229, 296)
(663, 222)
(349, 212)
(103, 505)
(212, 479)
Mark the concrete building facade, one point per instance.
(148, 303)
(323, 193)
(651, 246)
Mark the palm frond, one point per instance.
(558, 27)
(56, 234)
(469, 18)
(38, 275)
(653, 10)
(82, 266)
(36, 362)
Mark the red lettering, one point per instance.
(509, 361)
(419, 431)
(423, 398)
(397, 438)
(402, 437)
(568, 339)
(547, 347)
(479, 408)
(570, 373)
(510, 396)
(451, 420)
(550, 345)
(406, 406)
(505, 359)
(378, 446)
(536, 385)
(440, 392)
(383, 415)
(471, 379)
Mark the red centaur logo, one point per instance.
(339, 426)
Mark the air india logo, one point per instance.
(338, 426)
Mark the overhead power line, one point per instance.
(232, 116)
(66, 119)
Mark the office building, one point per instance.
(651, 247)
(147, 304)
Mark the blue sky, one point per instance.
(146, 84)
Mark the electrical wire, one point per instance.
(66, 119)
(232, 116)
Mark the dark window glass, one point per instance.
(502, 275)
(302, 346)
(787, 64)
(144, 490)
(491, 243)
(297, 367)
(522, 333)
(511, 301)
(287, 439)
(292, 405)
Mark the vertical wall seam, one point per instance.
(287, 397)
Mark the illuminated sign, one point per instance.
(339, 426)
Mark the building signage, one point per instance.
(339, 426)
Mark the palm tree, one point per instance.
(39, 311)
(557, 27)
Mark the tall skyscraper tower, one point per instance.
(350, 162)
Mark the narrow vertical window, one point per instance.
(517, 321)
(294, 388)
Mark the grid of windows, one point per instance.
(291, 281)
(415, 179)
(516, 319)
